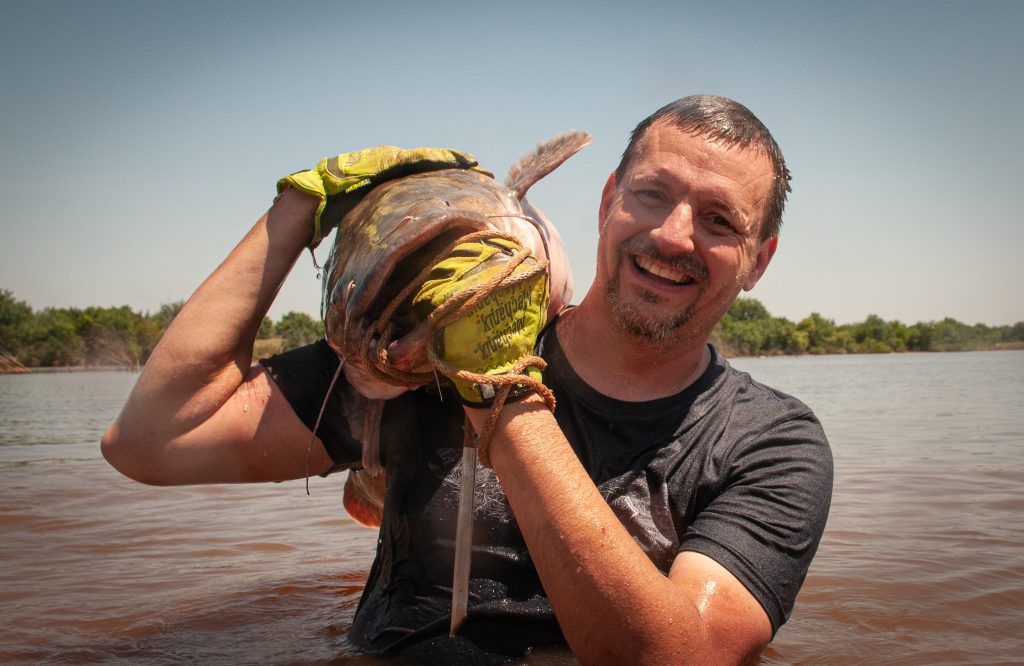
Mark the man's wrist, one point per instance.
(518, 425)
(294, 197)
(292, 212)
(478, 414)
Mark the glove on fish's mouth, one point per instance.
(407, 332)
(406, 264)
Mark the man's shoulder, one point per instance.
(753, 394)
(753, 414)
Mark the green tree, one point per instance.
(781, 336)
(744, 338)
(117, 336)
(748, 329)
(15, 322)
(875, 335)
(54, 339)
(951, 335)
(297, 329)
(896, 335)
(1013, 333)
(748, 309)
(821, 334)
(919, 337)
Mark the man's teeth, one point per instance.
(662, 271)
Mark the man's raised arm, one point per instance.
(200, 412)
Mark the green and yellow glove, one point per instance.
(488, 301)
(341, 182)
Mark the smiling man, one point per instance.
(671, 505)
(666, 512)
(684, 213)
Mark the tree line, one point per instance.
(120, 336)
(116, 336)
(748, 329)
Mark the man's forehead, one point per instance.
(665, 136)
(740, 176)
(664, 146)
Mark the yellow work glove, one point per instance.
(489, 333)
(341, 182)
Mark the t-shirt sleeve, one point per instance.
(766, 523)
(304, 376)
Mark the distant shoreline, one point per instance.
(118, 368)
(1016, 346)
(71, 340)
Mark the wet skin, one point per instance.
(680, 235)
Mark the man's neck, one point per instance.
(622, 366)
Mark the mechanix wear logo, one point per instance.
(502, 319)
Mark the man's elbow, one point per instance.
(130, 456)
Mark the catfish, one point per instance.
(381, 245)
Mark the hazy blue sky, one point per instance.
(140, 140)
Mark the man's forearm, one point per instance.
(612, 603)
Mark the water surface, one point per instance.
(920, 564)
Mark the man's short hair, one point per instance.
(730, 123)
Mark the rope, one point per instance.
(379, 335)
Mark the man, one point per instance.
(668, 510)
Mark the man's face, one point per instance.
(680, 234)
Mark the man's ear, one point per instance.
(764, 257)
(607, 194)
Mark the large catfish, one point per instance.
(382, 244)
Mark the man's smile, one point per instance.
(673, 275)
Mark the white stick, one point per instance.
(463, 540)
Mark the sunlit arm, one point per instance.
(613, 605)
(200, 413)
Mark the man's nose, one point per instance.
(675, 233)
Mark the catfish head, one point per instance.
(382, 245)
(400, 226)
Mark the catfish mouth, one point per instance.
(406, 269)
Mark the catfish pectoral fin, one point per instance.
(364, 497)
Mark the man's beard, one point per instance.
(640, 322)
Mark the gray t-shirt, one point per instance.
(728, 468)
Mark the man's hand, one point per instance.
(488, 300)
(340, 182)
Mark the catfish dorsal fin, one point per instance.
(544, 159)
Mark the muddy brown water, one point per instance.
(921, 561)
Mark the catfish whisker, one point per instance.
(319, 417)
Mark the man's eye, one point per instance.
(722, 223)
(649, 196)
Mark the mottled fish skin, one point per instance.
(383, 243)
